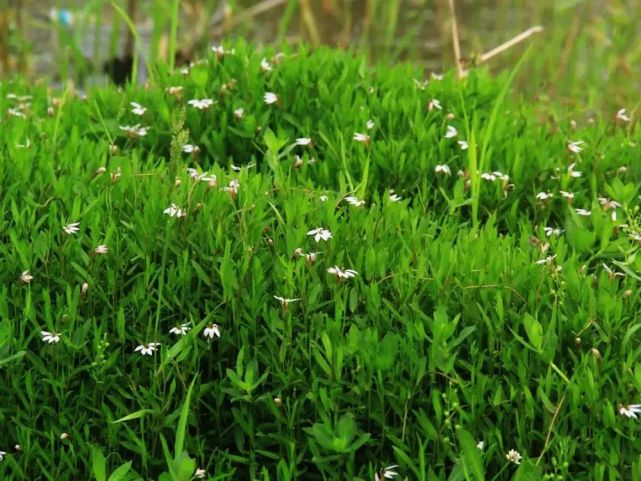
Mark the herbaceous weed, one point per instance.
(293, 266)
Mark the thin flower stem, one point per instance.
(559, 372)
(549, 434)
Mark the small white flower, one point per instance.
(342, 273)
(134, 130)
(19, 98)
(388, 473)
(583, 212)
(635, 236)
(201, 104)
(236, 168)
(608, 203)
(71, 228)
(434, 104)
(513, 456)
(147, 350)
(174, 211)
(612, 274)
(181, 330)
(211, 331)
(323, 198)
(481, 445)
(203, 177)
(575, 146)
(547, 260)
(15, 113)
(622, 116)
(284, 302)
(2, 455)
(101, 249)
(443, 169)
(50, 337)
(420, 84)
(552, 231)
(200, 473)
(572, 172)
(489, 176)
(270, 98)
(137, 109)
(265, 66)
(304, 141)
(233, 187)
(463, 144)
(26, 277)
(394, 197)
(359, 137)
(191, 149)
(320, 233)
(354, 201)
(175, 91)
(567, 195)
(630, 410)
(370, 124)
(451, 132)
(500, 175)
(64, 436)
(310, 258)
(543, 196)
(220, 51)
(239, 113)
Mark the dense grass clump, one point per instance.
(450, 269)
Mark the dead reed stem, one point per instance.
(455, 42)
(510, 43)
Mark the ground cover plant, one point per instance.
(292, 265)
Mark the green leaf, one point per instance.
(98, 464)
(135, 415)
(183, 467)
(120, 472)
(13, 357)
(182, 421)
(534, 331)
(528, 471)
(472, 461)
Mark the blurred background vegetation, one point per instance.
(588, 56)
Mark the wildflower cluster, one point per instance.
(308, 245)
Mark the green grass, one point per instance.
(450, 334)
